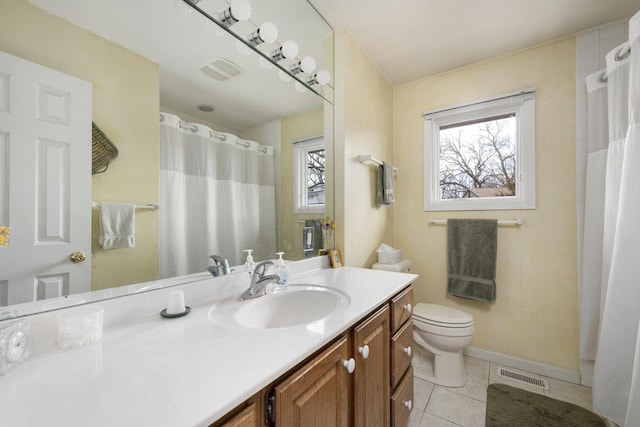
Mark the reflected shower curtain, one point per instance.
(217, 196)
(616, 379)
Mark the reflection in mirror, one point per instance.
(135, 72)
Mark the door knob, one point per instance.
(77, 257)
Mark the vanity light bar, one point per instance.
(267, 32)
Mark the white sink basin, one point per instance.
(297, 305)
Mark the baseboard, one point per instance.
(525, 365)
(586, 372)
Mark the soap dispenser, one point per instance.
(249, 263)
(282, 271)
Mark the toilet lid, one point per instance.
(442, 315)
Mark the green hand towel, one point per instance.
(472, 248)
(384, 185)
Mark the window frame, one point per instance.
(522, 104)
(301, 149)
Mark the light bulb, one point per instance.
(240, 10)
(289, 49)
(284, 76)
(300, 87)
(322, 77)
(305, 65)
(214, 29)
(242, 48)
(267, 33)
(267, 65)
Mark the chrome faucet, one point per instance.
(259, 281)
(221, 266)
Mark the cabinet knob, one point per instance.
(408, 404)
(407, 350)
(350, 365)
(364, 351)
(407, 307)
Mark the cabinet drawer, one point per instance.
(401, 308)
(402, 401)
(401, 352)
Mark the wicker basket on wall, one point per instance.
(102, 150)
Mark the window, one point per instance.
(481, 156)
(309, 175)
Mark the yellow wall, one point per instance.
(364, 126)
(294, 128)
(125, 107)
(535, 315)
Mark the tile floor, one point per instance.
(437, 406)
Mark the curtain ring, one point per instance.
(602, 78)
(622, 54)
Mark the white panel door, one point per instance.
(45, 181)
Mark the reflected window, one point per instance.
(309, 175)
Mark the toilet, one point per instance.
(442, 332)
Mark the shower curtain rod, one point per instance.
(516, 222)
(622, 54)
(221, 136)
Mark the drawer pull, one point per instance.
(350, 365)
(407, 350)
(408, 404)
(364, 351)
(407, 307)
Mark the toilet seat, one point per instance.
(442, 316)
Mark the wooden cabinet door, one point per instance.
(247, 418)
(402, 401)
(371, 378)
(317, 395)
(401, 352)
(401, 308)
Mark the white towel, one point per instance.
(117, 225)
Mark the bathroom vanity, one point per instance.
(227, 363)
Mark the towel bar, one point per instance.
(368, 158)
(516, 222)
(152, 206)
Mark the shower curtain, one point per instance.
(591, 274)
(217, 196)
(616, 377)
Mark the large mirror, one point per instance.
(149, 57)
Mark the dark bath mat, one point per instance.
(510, 407)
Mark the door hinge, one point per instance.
(270, 409)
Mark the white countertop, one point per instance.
(188, 371)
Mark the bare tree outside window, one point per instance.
(315, 177)
(478, 159)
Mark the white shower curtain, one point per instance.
(618, 119)
(591, 274)
(616, 380)
(217, 196)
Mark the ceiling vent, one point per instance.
(221, 69)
